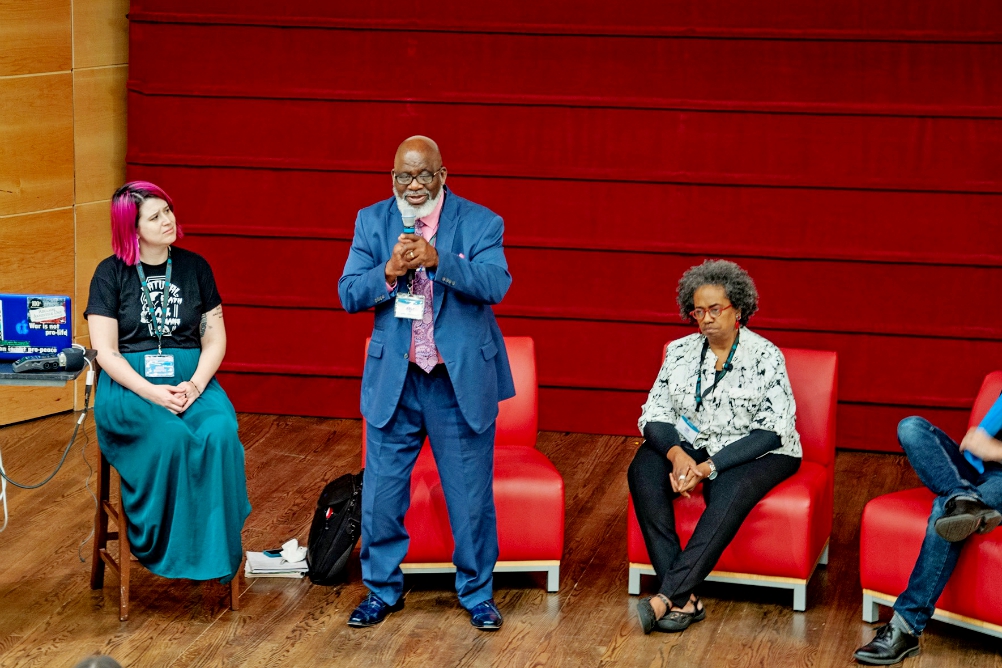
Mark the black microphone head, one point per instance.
(72, 359)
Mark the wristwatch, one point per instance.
(713, 469)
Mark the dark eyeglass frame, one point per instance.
(703, 312)
(424, 178)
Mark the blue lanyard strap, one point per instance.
(158, 327)
(699, 370)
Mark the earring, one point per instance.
(737, 324)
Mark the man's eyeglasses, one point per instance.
(699, 313)
(424, 178)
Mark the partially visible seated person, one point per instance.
(163, 421)
(98, 661)
(967, 502)
(722, 413)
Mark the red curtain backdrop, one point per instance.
(848, 154)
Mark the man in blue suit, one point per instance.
(436, 367)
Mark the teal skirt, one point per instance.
(183, 482)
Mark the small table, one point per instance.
(42, 378)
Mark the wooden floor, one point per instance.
(49, 616)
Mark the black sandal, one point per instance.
(645, 611)
(676, 620)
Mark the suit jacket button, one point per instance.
(405, 355)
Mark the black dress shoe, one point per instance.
(485, 616)
(372, 610)
(962, 517)
(889, 646)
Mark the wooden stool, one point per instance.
(122, 563)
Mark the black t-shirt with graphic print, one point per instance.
(116, 292)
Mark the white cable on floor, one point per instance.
(3, 494)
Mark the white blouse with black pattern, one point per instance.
(754, 394)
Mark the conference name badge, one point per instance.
(686, 430)
(409, 306)
(159, 366)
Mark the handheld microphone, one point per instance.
(408, 219)
(408, 222)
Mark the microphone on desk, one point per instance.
(70, 359)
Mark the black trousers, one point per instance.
(729, 498)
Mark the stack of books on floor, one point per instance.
(261, 565)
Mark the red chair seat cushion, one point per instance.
(528, 495)
(782, 536)
(891, 535)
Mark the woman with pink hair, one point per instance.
(163, 421)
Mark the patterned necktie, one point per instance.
(423, 330)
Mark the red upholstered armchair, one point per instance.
(891, 534)
(785, 536)
(528, 489)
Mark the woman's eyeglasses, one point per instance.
(699, 313)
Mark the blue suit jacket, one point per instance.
(472, 274)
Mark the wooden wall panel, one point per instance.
(62, 143)
(322, 396)
(238, 60)
(37, 257)
(100, 33)
(621, 356)
(816, 296)
(93, 244)
(26, 403)
(847, 154)
(36, 153)
(874, 426)
(896, 20)
(610, 144)
(37, 253)
(99, 131)
(661, 217)
(34, 36)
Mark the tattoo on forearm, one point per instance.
(118, 355)
(203, 325)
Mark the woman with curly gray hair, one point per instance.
(722, 413)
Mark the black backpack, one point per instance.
(337, 525)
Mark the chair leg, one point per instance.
(800, 597)
(235, 591)
(553, 578)
(100, 524)
(124, 561)
(871, 609)
(633, 586)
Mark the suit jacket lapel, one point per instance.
(394, 227)
(447, 224)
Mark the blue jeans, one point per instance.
(942, 468)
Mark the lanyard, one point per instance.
(699, 371)
(158, 327)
